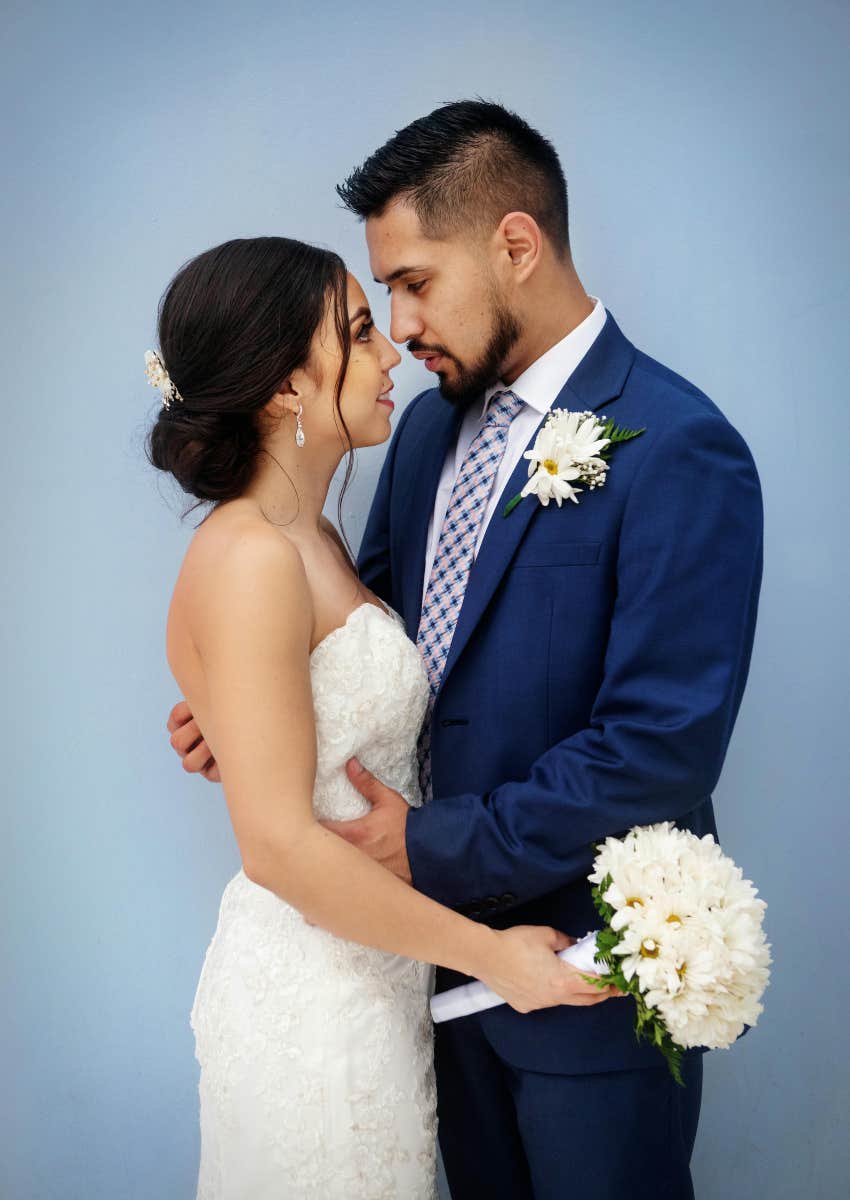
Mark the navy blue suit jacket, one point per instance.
(595, 672)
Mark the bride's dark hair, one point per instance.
(233, 324)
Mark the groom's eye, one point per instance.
(411, 287)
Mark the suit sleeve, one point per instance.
(373, 559)
(687, 582)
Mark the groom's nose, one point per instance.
(405, 324)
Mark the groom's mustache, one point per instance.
(415, 347)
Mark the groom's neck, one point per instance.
(555, 304)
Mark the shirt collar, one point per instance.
(540, 383)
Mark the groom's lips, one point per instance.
(431, 360)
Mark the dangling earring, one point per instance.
(299, 431)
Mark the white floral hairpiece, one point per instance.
(158, 377)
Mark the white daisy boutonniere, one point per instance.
(571, 448)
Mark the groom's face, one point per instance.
(445, 302)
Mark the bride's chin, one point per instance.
(375, 437)
(382, 428)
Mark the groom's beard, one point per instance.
(470, 380)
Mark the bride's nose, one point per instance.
(390, 357)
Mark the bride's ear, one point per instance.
(286, 399)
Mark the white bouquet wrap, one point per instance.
(475, 997)
(683, 935)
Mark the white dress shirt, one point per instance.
(537, 386)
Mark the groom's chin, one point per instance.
(459, 392)
(454, 397)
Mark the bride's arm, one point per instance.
(252, 624)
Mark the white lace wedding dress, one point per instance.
(316, 1053)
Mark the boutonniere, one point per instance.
(570, 448)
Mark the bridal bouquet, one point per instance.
(683, 935)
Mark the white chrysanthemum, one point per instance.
(644, 891)
(610, 856)
(655, 842)
(699, 975)
(578, 434)
(649, 865)
(551, 470)
(647, 946)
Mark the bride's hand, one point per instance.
(527, 974)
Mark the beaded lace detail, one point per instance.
(316, 1053)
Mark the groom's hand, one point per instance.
(188, 741)
(380, 834)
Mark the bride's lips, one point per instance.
(384, 398)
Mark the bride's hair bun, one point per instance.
(210, 454)
(234, 323)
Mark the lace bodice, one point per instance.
(317, 1078)
(370, 692)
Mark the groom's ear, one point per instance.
(520, 239)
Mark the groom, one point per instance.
(587, 661)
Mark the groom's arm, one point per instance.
(688, 576)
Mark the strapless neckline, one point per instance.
(388, 614)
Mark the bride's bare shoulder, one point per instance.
(239, 578)
(236, 552)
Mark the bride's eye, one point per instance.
(365, 329)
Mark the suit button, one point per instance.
(493, 902)
(508, 898)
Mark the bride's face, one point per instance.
(365, 403)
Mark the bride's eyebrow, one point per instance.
(361, 312)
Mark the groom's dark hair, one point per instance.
(465, 165)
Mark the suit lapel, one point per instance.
(598, 378)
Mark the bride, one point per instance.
(311, 1016)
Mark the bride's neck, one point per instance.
(291, 485)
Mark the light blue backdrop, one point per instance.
(706, 149)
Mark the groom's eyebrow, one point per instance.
(397, 274)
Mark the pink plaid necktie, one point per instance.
(455, 555)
